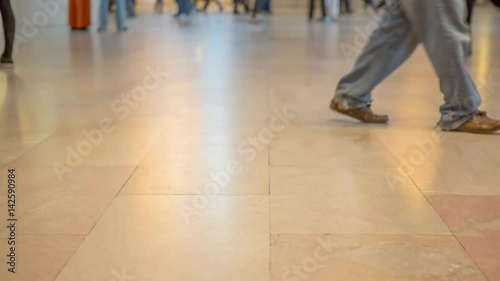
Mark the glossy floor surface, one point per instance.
(206, 151)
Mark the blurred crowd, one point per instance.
(80, 10)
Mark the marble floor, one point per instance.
(205, 151)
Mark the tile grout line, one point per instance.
(105, 210)
(92, 228)
(269, 183)
(437, 213)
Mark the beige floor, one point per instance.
(228, 165)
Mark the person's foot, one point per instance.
(479, 124)
(122, 29)
(236, 12)
(363, 114)
(6, 60)
(182, 17)
(101, 29)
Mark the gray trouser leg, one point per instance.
(441, 27)
(387, 48)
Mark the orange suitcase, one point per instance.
(79, 14)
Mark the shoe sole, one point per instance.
(491, 132)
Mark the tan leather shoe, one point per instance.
(479, 124)
(363, 114)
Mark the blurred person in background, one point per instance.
(207, 2)
(130, 7)
(440, 26)
(242, 2)
(121, 12)
(267, 7)
(258, 7)
(312, 8)
(470, 7)
(158, 6)
(184, 8)
(347, 6)
(9, 29)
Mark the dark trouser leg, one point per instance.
(311, 8)
(258, 7)
(323, 8)
(206, 5)
(9, 27)
(470, 7)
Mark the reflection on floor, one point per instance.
(206, 151)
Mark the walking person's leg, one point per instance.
(130, 8)
(159, 6)
(257, 8)
(103, 15)
(323, 9)
(246, 6)
(387, 48)
(348, 6)
(121, 13)
(205, 6)
(185, 7)
(9, 29)
(441, 27)
(311, 9)
(470, 8)
(111, 5)
(235, 8)
(219, 4)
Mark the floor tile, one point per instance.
(475, 221)
(344, 150)
(156, 241)
(39, 257)
(231, 178)
(338, 201)
(370, 258)
(446, 163)
(45, 205)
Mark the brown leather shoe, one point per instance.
(363, 114)
(479, 124)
